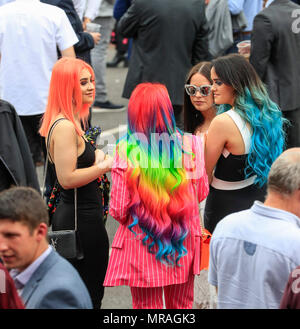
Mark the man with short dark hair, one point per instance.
(43, 278)
(252, 252)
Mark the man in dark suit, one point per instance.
(43, 278)
(168, 38)
(275, 48)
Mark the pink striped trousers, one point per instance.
(177, 296)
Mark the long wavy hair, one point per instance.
(161, 195)
(65, 95)
(254, 105)
(192, 117)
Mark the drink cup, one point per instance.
(244, 48)
(93, 27)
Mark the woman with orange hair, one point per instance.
(156, 178)
(78, 165)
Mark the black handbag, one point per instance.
(65, 242)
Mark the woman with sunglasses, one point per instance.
(199, 110)
(242, 141)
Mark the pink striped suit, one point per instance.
(130, 262)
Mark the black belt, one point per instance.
(242, 33)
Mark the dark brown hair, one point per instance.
(23, 204)
(192, 117)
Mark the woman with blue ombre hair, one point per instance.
(158, 178)
(243, 140)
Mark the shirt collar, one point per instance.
(268, 3)
(23, 277)
(275, 213)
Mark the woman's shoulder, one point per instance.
(63, 125)
(63, 129)
(222, 121)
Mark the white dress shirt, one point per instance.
(3, 2)
(30, 32)
(87, 8)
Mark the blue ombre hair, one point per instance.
(254, 105)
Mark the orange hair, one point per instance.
(65, 92)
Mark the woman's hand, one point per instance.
(103, 161)
(96, 36)
(99, 156)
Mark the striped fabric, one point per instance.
(130, 262)
(177, 296)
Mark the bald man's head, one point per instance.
(284, 176)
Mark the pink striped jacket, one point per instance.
(130, 262)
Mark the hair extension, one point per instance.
(254, 105)
(161, 195)
(65, 93)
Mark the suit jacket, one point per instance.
(17, 166)
(86, 42)
(275, 50)
(56, 285)
(120, 8)
(168, 38)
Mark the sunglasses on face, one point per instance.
(204, 90)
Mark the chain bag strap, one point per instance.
(65, 242)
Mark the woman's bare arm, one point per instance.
(65, 155)
(216, 139)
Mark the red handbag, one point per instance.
(204, 249)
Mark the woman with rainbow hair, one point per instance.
(77, 165)
(158, 178)
(242, 141)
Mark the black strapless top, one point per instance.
(231, 169)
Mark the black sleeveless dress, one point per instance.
(92, 232)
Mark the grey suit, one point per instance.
(169, 37)
(275, 52)
(56, 285)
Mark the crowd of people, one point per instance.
(212, 145)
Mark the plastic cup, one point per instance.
(244, 48)
(93, 27)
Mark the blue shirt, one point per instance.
(21, 278)
(250, 7)
(252, 253)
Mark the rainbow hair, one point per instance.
(161, 195)
(65, 95)
(254, 105)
